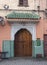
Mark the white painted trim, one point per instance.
(30, 27)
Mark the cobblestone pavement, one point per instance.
(23, 61)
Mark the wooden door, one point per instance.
(23, 43)
(45, 45)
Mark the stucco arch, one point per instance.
(30, 27)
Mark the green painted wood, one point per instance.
(38, 42)
(33, 49)
(6, 47)
(38, 49)
(23, 15)
(12, 48)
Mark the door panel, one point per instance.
(23, 43)
(45, 45)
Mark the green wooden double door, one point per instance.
(8, 46)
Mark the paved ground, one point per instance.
(23, 61)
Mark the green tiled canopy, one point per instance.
(14, 15)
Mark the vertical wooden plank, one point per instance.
(45, 45)
(23, 43)
(6, 47)
(12, 48)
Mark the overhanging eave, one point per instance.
(23, 20)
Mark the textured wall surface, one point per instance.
(13, 4)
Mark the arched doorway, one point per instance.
(23, 43)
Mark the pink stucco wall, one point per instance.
(4, 33)
(41, 29)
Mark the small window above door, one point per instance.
(23, 3)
